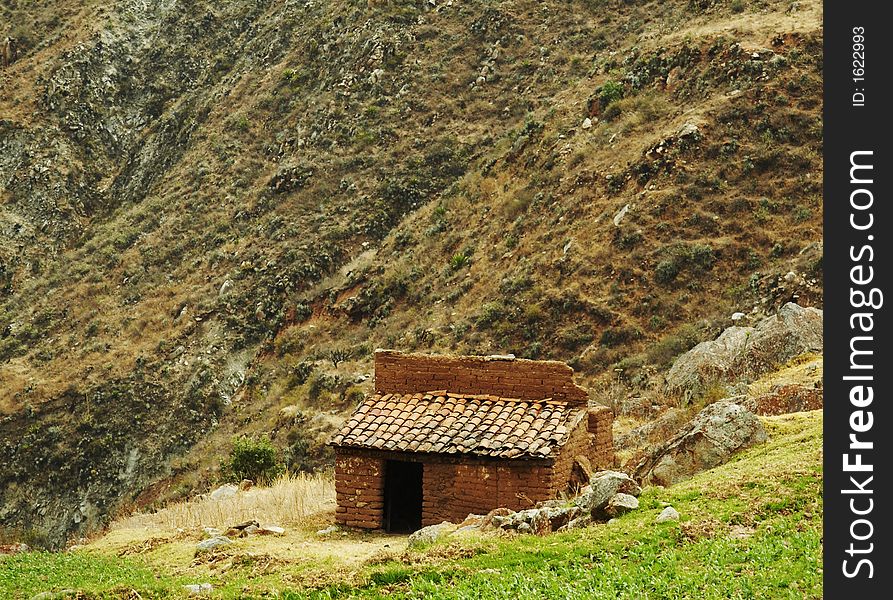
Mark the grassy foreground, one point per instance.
(749, 529)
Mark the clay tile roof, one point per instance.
(448, 423)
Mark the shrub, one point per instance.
(663, 352)
(666, 271)
(338, 355)
(697, 258)
(617, 335)
(299, 372)
(458, 260)
(354, 395)
(490, 313)
(254, 459)
(319, 383)
(612, 91)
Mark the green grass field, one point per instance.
(749, 529)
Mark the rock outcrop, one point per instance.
(707, 441)
(744, 353)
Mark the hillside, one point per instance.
(213, 211)
(748, 529)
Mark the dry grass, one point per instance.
(292, 498)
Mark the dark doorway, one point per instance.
(402, 496)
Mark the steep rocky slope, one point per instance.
(211, 211)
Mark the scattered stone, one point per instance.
(328, 530)
(245, 525)
(689, 131)
(524, 527)
(667, 514)
(738, 316)
(224, 491)
(60, 595)
(620, 504)
(218, 541)
(430, 534)
(212, 532)
(14, 548)
(226, 287)
(620, 214)
(707, 441)
(493, 518)
(270, 530)
(196, 589)
(580, 522)
(587, 123)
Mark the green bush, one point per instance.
(254, 459)
(666, 271)
(612, 91)
(458, 260)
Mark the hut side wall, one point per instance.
(450, 492)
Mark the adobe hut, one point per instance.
(445, 436)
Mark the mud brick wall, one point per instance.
(578, 444)
(450, 492)
(359, 488)
(522, 486)
(601, 437)
(400, 373)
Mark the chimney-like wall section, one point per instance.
(601, 437)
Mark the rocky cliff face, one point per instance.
(210, 211)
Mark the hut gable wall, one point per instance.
(399, 373)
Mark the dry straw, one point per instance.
(290, 499)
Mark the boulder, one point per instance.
(707, 441)
(196, 589)
(219, 541)
(602, 487)
(620, 504)
(667, 514)
(580, 522)
(745, 353)
(224, 491)
(328, 530)
(430, 534)
(269, 530)
(657, 430)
